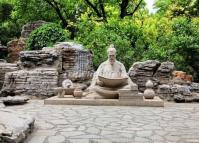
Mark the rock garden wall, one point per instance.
(43, 70)
(5, 68)
(169, 84)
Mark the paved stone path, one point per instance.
(175, 123)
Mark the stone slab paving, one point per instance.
(174, 123)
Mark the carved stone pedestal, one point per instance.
(125, 94)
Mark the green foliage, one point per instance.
(46, 35)
(185, 44)
(171, 34)
(9, 29)
(32, 10)
(5, 11)
(126, 37)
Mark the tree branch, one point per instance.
(123, 8)
(58, 11)
(93, 7)
(103, 11)
(136, 8)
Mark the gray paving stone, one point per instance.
(36, 139)
(56, 139)
(78, 141)
(72, 134)
(144, 133)
(92, 124)
(93, 130)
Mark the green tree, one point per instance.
(9, 29)
(45, 36)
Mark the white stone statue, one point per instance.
(111, 71)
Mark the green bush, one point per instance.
(46, 35)
(124, 36)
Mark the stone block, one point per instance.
(32, 83)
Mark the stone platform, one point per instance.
(156, 102)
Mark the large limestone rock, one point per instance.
(16, 100)
(141, 72)
(29, 27)
(76, 62)
(159, 73)
(14, 126)
(4, 68)
(195, 87)
(39, 58)
(164, 72)
(14, 48)
(37, 82)
(175, 92)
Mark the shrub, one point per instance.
(123, 35)
(46, 35)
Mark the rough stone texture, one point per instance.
(125, 100)
(29, 27)
(195, 87)
(37, 82)
(4, 68)
(70, 59)
(1, 104)
(39, 58)
(183, 76)
(76, 62)
(14, 48)
(175, 92)
(140, 72)
(14, 127)
(164, 72)
(159, 73)
(175, 123)
(42, 70)
(3, 51)
(15, 100)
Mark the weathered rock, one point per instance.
(183, 89)
(177, 80)
(7, 91)
(195, 87)
(164, 72)
(179, 98)
(183, 76)
(4, 68)
(195, 97)
(39, 58)
(14, 48)
(29, 27)
(1, 104)
(3, 51)
(15, 100)
(76, 62)
(37, 82)
(140, 72)
(164, 89)
(14, 127)
(175, 92)
(164, 92)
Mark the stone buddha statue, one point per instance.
(110, 77)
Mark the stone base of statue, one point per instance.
(124, 100)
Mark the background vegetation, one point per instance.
(170, 34)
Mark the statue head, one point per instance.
(111, 54)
